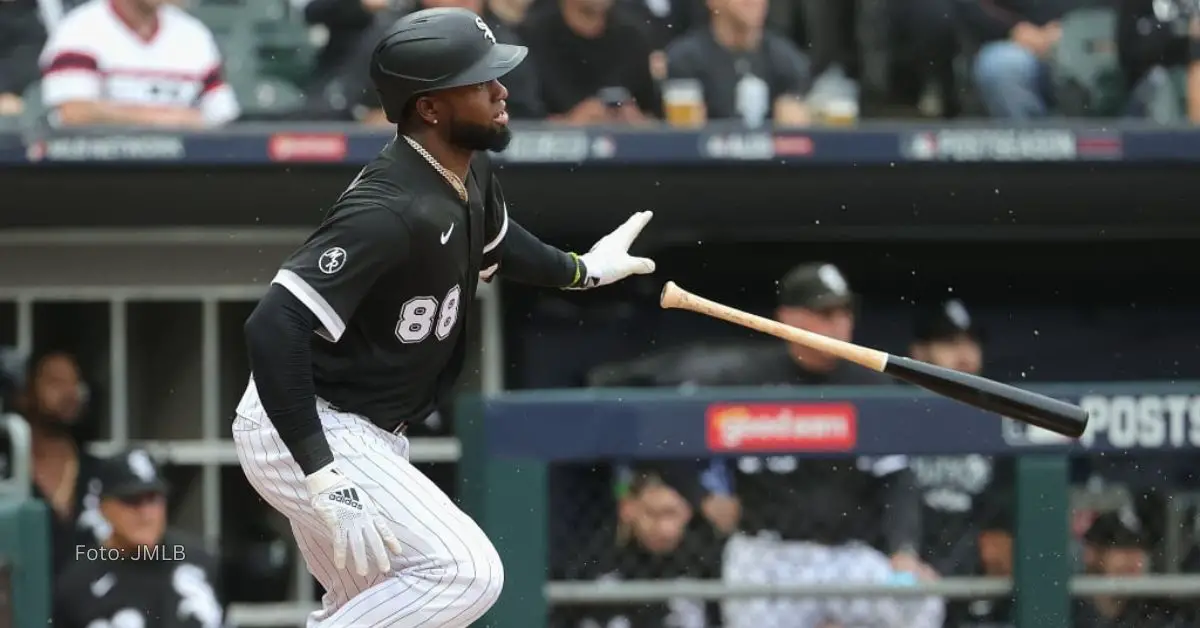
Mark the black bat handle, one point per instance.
(1015, 403)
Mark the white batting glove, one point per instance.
(353, 521)
(609, 260)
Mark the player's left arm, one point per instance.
(526, 259)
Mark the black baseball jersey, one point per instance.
(827, 500)
(84, 526)
(391, 275)
(173, 586)
(954, 491)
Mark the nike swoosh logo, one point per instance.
(446, 236)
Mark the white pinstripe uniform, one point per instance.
(764, 558)
(402, 348)
(449, 573)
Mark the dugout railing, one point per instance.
(510, 441)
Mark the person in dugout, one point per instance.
(652, 536)
(953, 486)
(1119, 548)
(48, 390)
(818, 520)
(993, 542)
(143, 575)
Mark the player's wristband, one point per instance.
(580, 271)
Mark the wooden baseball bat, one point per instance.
(1015, 403)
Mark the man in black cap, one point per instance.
(819, 520)
(1119, 543)
(945, 334)
(362, 332)
(142, 574)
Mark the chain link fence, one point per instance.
(677, 545)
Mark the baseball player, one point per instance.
(144, 574)
(362, 333)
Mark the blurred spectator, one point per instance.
(652, 538)
(134, 62)
(667, 19)
(52, 398)
(924, 43)
(1157, 44)
(145, 575)
(995, 560)
(1119, 548)
(832, 28)
(352, 80)
(347, 23)
(524, 93)
(816, 520)
(510, 13)
(947, 336)
(22, 35)
(593, 62)
(1016, 38)
(747, 73)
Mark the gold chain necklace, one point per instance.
(450, 177)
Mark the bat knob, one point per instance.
(671, 295)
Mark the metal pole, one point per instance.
(491, 368)
(210, 419)
(118, 357)
(957, 588)
(25, 325)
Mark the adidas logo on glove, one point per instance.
(348, 497)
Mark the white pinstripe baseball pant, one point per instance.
(764, 559)
(449, 573)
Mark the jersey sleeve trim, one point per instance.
(332, 325)
(487, 248)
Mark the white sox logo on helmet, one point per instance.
(487, 32)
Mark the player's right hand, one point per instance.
(354, 522)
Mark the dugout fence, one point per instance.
(509, 442)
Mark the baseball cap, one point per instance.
(815, 286)
(130, 474)
(945, 320)
(1122, 528)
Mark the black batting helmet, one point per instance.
(437, 49)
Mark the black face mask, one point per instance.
(480, 137)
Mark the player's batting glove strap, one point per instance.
(354, 522)
(609, 261)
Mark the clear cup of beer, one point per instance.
(840, 113)
(683, 102)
